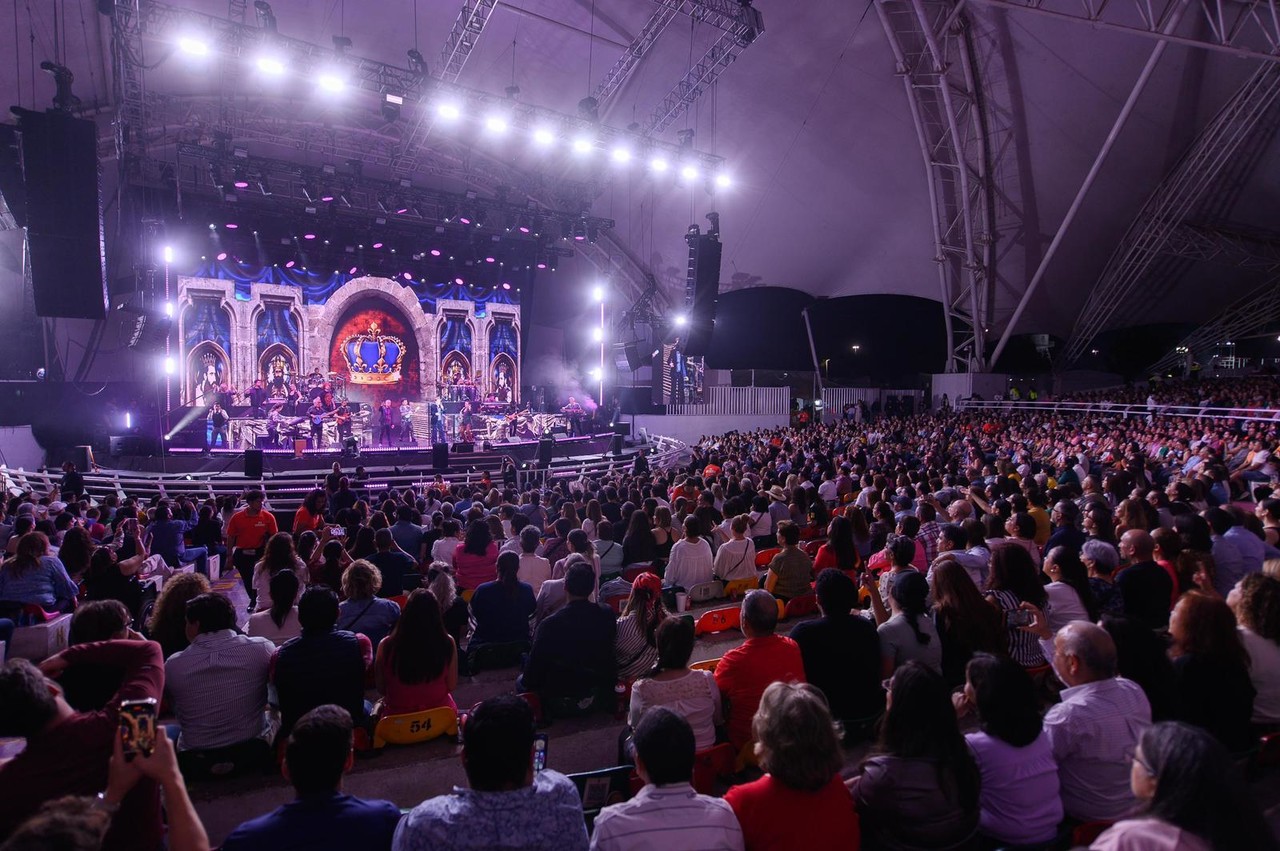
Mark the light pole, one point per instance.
(598, 293)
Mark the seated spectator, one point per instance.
(1191, 797)
(1014, 580)
(841, 651)
(552, 597)
(799, 749)
(502, 609)
(639, 545)
(572, 658)
(1097, 723)
(407, 534)
(906, 630)
(392, 562)
(608, 551)
(417, 664)
(952, 546)
(318, 753)
(447, 544)
(1019, 803)
(113, 578)
(1256, 603)
(1070, 598)
(667, 813)
(363, 611)
(672, 684)
(1144, 586)
(964, 622)
(1101, 560)
(327, 562)
(217, 688)
(920, 787)
(636, 642)
(791, 570)
(508, 804)
(167, 537)
(323, 665)
(840, 550)
(32, 576)
(534, 569)
(67, 752)
(456, 612)
(736, 558)
(1066, 530)
(1211, 670)
(168, 623)
(748, 669)
(90, 687)
(1143, 657)
(310, 515)
(691, 562)
(578, 544)
(895, 560)
(278, 555)
(475, 560)
(280, 622)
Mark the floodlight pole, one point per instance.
(813, 351)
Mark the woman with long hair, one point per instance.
(278, 555)
(1211, 670)
(280, 622)
(1142, 656)
(475, 560)
(1168, 554)
(1014, 580)
(1068, 592)
(840, 550)
(965, 623)
(1196, 566)
(310, 515)
(909, 633)
(363, 610)
(636, 643)
(416, 666)
(110, 577)
(362, 545)
(860, 530)
(1191, 797)
(34, 576)
(327, 565)
(502, 608)
(638, 544)
(168, 623)
(671, 683)
(798, 746)
(456, 612)
(75, 552)
(593, 518)
(1019, 802)
(1256, 603)
(919, 787)
(664, 535)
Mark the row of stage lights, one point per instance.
(497, 123)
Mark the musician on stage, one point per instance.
(315, 383)
(257, 396)
(316, 413)
(406, 421)
(386, 423)
(273, 427)
(217, 426)
(437, 422)
(574, 412)
(343, 420)
(293, 401)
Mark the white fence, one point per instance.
(1124, 410)
(287, 490)
(738, 401)
(835, 398)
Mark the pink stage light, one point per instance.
(352, 270)
(402, 211)
(542, 265)
(464, 220)
(222, 256)
(524, 229)
(435, 252)
(407, 276)
(289, 265)
(308, 236)
(326, 198)
(377, 245)
(488, 259)
(241, 184)
(505, 285)
(232, 226)
(458, 281)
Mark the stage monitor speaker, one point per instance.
(615, 444)
(82, 457)
(623, 429)
(464, 447)
(64, 215)
(440, 456)
(132, 444)
(546, 448)
(253, 464)
(704, 288)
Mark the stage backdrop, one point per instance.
(385, 338)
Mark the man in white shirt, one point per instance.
(828, 490)
(533, 569)
(1096, 726)
(667, 814)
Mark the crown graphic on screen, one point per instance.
(373, 357)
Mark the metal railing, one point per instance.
(738, 401)
(1139, 409)
(286, 491)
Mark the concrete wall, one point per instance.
(18, 448)
(690, 429)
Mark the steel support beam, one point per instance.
(1248, 28)
(1257, 311)
(1252, 251)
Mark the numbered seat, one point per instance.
(739, 587)
(763, 557)
(414, 727)
(704, 591)
(706, 665)
(718, 620)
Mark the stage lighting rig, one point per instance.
(64, 99)
(266, 17)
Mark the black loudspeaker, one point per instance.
(440, 456)
(132, 444)
(464, 447)
(64, 215)
(702, 290)
(623, 429)
(629, 357)
(253, 464)
(546, 448)
(615, 444)
(82, 457)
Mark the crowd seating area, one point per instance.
(966, 629)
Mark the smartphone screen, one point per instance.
(138, 727)
(539, 751)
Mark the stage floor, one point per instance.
(284, 461)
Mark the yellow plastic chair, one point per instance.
(739, 587)
(415, 727)
(466, 595)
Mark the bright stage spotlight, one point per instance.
(621, 155)
(496, 125)
(543, 137)
(597, 293)
(448, 110)
(270, 65)
(583, 145)
(723, 181)
(596, 373)
(222, 255)
(331, 82)
(169, 365)
(168, 254)
(597, 334)
(168, 309)
(659, 165)
(193, 46)
(689, 172)
(682, 320)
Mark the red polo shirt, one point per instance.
(747, 670)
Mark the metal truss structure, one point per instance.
(932, 48)
(1251, 314)
(1140, 260)
(1248, 28)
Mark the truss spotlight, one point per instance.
(458, 281)
(331, 82)
(597, 334)
(658, 165)
(435, 252)
(168, 309)
(290, 264)
(681, 320)
(222, 255)
(193, 46)
(621, 155)
(377, 245)
(449, 111)
(391, 104)
(583, 145)
(169, 365)
(723, 181)
(168, 254)
(544, 137)
(596, 373)
(352, 270)
(270, 65)
(417, 64)
(496, 125)
(597, 294)
(689, 172)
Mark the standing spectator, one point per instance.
(841, 652)
(317, 754)
(748, 669)
(247, 533)
(417, 664)
(508, 804)
(798, 748)
(667, 813)
(218, 689)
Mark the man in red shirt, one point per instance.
(764, 658)
(247, 534)
(67, 751)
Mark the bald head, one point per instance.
(1085, 653)
(1137, 545)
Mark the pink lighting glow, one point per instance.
(222, 256)
(232, 226)
(377, 245)
(435, 252)
(308, 236)
(457, 281)
(289, 265)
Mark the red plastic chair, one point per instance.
(1083, 835)
(712, 764)
(765, 556)
(535, 703)
(798, 607)
(631, 573)
(811, 548)
(718, 620)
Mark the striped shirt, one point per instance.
(632, 651)
(218, 688)
(668, 818)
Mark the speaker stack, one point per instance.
(253, 464)
(702, 289)
(440, 457)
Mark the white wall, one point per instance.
(958, 385)
(690, 429)
(18, 448)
